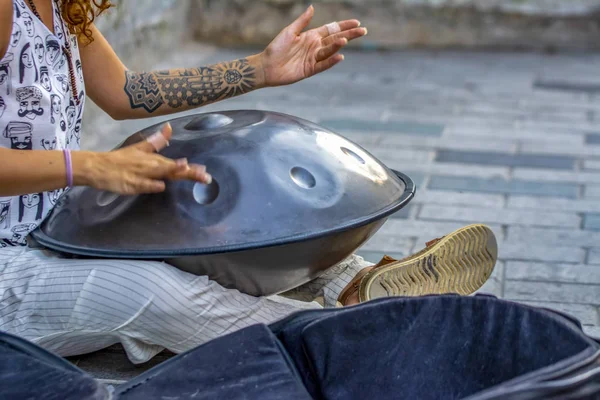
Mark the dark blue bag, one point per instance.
(437, 347)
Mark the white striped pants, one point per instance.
(72, 306)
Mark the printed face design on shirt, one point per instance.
(52, 50)
(28, 202)
(28, 22)
(5, 72)
(2, 106)
(78, 127)
(39, 49)
(74, 138)
(79, 70)
(4, 214)
(29, 99)
(56, 103)
(49, 144)
(16, 35)
(54, 195)
(45, 78)
(55, 112)
(27, 63)
(64, 82)
(20, 232)
(70, 114)
(20, 135)
(61, 61)
(57, 29)
(26, 58)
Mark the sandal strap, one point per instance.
(355, 283)
(433, 242)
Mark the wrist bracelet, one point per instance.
(67, 154)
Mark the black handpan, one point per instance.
(289, 199)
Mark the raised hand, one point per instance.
(295, 55)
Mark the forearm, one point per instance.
(35, 171)
(169, 91)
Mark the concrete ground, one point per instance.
(509, 140)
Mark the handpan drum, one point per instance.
(289, 199)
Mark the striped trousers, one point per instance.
(73, 307)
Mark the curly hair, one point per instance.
(80, 14)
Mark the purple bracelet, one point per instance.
(67, 154)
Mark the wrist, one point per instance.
(257, 62)
(83, 167)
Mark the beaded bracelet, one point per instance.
(67, 154)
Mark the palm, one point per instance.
(295, 55)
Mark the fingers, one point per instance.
(155, 166)
(181, 170)
(328, 63)
(349, 24)
(348, 35)
(192, 172)
(302, 22)
(335, 27)
(157, 141)
(159, 167)
(150, 169)
(146, 186)
(152, 180)
(330, 50)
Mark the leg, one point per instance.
(331, 283)
(79, 306)
(458, 263)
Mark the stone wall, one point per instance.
(142, 33)
(511, 24)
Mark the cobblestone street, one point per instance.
(506, 139)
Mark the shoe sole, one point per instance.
(460, 263)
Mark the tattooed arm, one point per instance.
(293, 55)
(126, 94)
(181, 89)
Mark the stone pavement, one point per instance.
(509, 140)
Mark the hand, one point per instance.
(295, 55)
(138, 169)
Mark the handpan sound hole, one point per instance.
(206, 194)
(303, 178)
(206, 122)
(352, 154)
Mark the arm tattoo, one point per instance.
(189, 88)
(142, 90)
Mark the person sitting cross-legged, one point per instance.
(53, 59)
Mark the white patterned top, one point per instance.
(38, 109)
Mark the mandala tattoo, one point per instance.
(142, 90)
(190, 88)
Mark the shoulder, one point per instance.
(6, 24)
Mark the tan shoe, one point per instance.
(460, 263)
